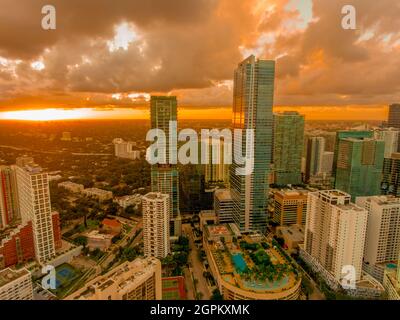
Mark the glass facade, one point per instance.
(252, 109)
(288, 147)
(165, 177)
(359, 166)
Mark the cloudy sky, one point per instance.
(115, 53)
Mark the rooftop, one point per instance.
(223, 194)
(8, 275)
(250, 262)
(123, 276)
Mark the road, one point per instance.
(196, 268)
(108, 257)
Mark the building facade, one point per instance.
(288, 135)
(314, 160)
(223, 206)
(391, 175)
(252, 109)
(359, 166)
(136, 280)
(156, 217)
(290, 207)
(391, 138)
(342, 134)
(165, 177)
(382, 242)
(125, 149)
(9, 206)
(16, 285)
(35, 206)
(335, 232)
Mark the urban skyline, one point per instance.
(108, 193)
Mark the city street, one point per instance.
(196, 268)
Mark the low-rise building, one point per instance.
(112, 226)
(97, 240)
(71, 186)
(136, 280)
(292, 235)
(130, 200)
(207, 217)
(99, 194)
(16, 285)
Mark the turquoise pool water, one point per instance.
(240, 264)
(391, 265)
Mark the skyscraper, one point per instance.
(382, 242)
(391, 138)
(347, 134)
(34, 201)
(314, 161)
(156, 217)
(359, 166)
(9, 208)
(252, 109)
(335, 232)
(288, 138)
(391, 175)
(394, 116)
(165, 177)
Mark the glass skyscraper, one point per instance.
(165, 177)
(288, 147)
(359, 166)
(252, 109)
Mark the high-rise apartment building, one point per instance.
(290, 207)
(165, 177)
(156, 217)
(335, 232)
(314, 160)
(223, 206)
(288, 140)
(359, 166)
(34, 201)
(16, 285)
(327, 162)
(382, 242)
(136, 280)
(391, 138)
(9, 207)
(252, 109)
(391, 175)
(216, 173)
(342, 134)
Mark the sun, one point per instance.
(44, 114)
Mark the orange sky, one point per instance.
(311, 113)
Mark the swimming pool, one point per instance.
(240, 264)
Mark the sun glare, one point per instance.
(44, 115)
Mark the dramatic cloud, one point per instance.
(107, 53)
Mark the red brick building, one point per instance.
(55, 216)
(17, 246)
